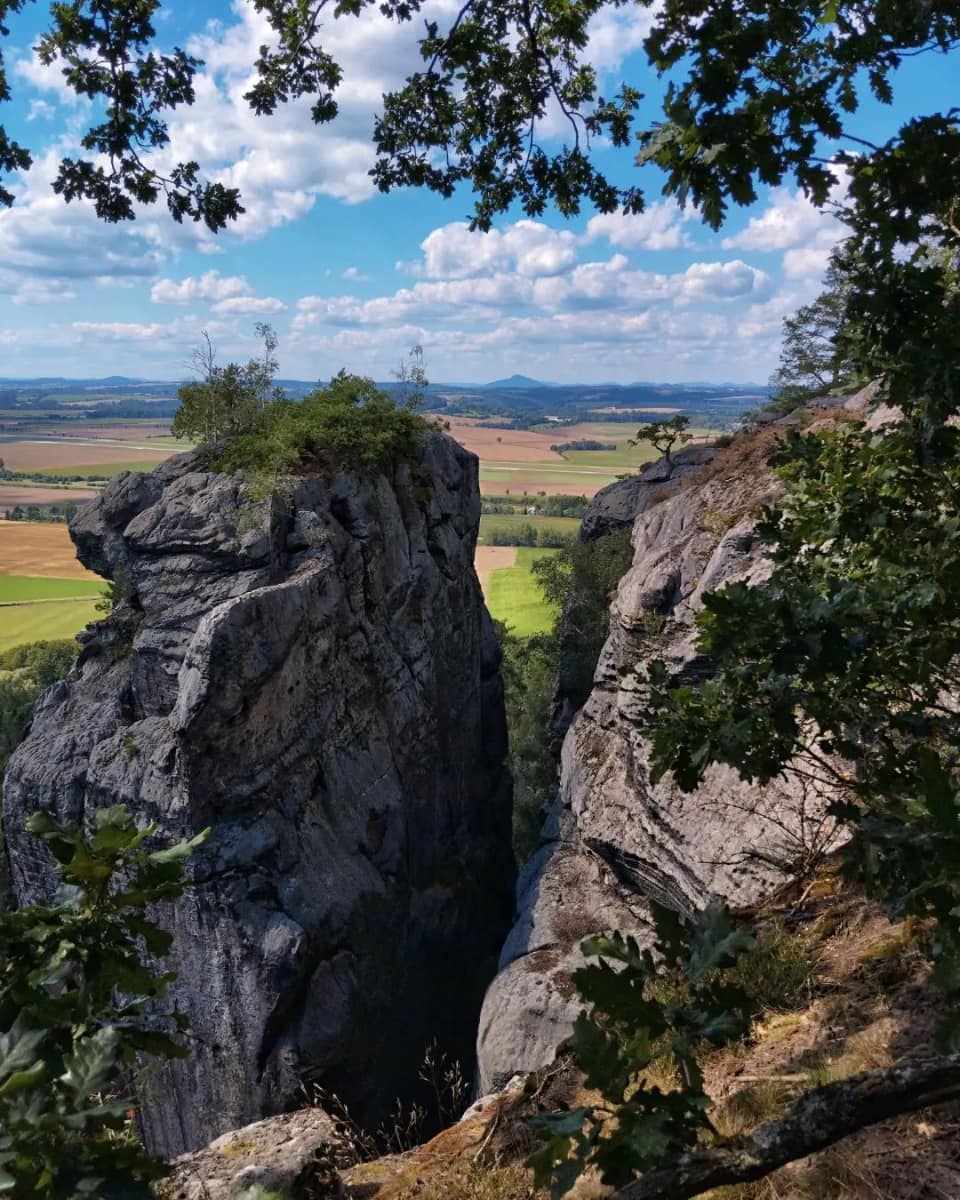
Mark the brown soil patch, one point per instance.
(31, 548)
(12, 494)
(503, 445)
(29, 456)
(491, 558)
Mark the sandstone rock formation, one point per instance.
(612, 840)
(291, 1153)
(316, 678)
(613, 508)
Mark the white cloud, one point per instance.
(723, 281)
(660, 227)
(790, 220)
(808, 262)
(617, 33)
(530, 248)
(42, 292)
(40, 110)
(355, 275)
(119, 331)
(249, 305)
(209, 286)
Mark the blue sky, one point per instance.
(350, 278)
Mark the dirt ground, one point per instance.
(504, 445)
(492, 558)
(30, 548)
(30, 455)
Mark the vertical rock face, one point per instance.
(613, 840)
(316, 678)
(613, 508)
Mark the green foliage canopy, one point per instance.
(348, 425)
(633, 1023)
(811, 359)
(843, 665)
(664, 435)
(752, 96)
(26, 671)
(75, 989)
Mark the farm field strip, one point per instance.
(26, 492)
(513, 596)
(50, 456)
(488, 559)
(44, 550)
(511, 522)
(44, 620)
(105, 470)
(25, 589)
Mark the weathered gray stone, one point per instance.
(292, 1151)
(614, 507)
(317, 679)
(613, 840)
(620, 503)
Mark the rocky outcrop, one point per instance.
(316, 678)
(295, 1153)
(612, 839)
(614, 508)
(620, 503)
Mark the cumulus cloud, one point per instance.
(530, 248)
(790, 220)
(209, 286)
(249, 305)
(722, 281)
(660, 227)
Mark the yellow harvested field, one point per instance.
(30, 456)
(503, 445)
(12, 494)
(492, 558)
(40, 549)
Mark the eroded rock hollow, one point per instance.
(317, 679)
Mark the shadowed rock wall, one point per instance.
(315, 677)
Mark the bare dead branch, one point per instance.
(816, 1120)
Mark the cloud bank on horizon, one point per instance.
(352, 278)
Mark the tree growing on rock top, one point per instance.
(664, 435)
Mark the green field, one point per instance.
(22, 623)
(17, 589)
(514, 521)
(514, 598)
(100, 470)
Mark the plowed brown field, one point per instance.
(504, 445)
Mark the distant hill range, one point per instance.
(517, 400)
(524, 382)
